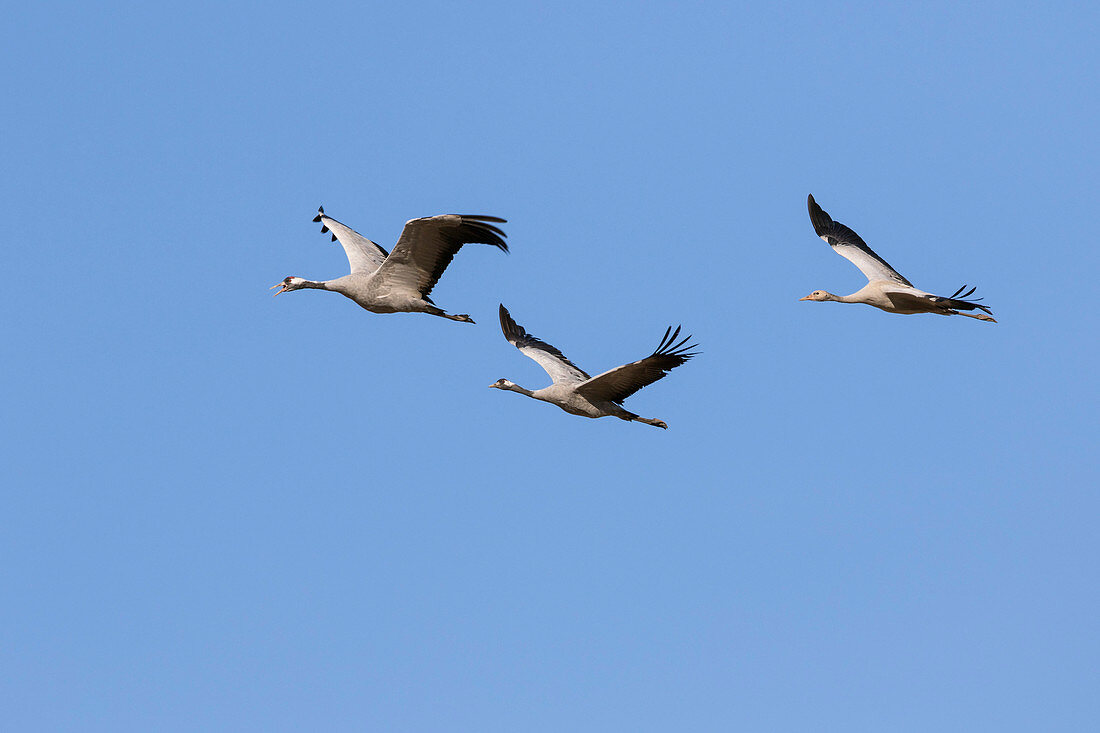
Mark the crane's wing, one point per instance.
(560, 369)
(621, 382)
(428, 245)
(921, 301)
(848, 245)
(363, 254)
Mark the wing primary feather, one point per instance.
(962, 300)
(508, 326)
(484, 217)
(821, 220)
(960, 294)
(661, 344)
(485, 233)
(669, 347)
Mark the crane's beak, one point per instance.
(806, 298)
(282, 287)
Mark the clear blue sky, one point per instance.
(227, 512)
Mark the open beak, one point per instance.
(279, 285)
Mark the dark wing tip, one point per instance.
(479, 231)
(811, 205)
(964, 301)
(822, 221)
(484, 217)
(508, 327)
(320, 213)
(670, 347)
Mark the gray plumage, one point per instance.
(574, 391)
(886, 288)
(401, 281)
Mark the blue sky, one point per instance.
(228, 512)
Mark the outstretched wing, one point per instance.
(560, 369)
(621, 382)
(911, 300)
(363, 254)
(848, 245)
(428, 245)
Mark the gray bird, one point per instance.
(600, 396)
(886, 289)
(400, 281)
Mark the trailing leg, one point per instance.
(979, 316)
(653, 421)
(461, 317)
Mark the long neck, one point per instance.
(853, 298)
(521, 390)
(316, 285)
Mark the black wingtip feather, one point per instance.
(484, 217)
(960, 294)
(478, 231)
(506, 322)
(818, 217)
(512, 331)
(669, 346)
(962, 300)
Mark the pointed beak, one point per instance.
(806, 298)
(282, 287)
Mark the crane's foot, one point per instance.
(654, 422)
(979, 316)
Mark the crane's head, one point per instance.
(502, 384)
(818, 295)
(290, 282)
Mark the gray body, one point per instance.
(569, 399)
(375, 295)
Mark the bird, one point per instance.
(886, 289)
(578, 393)
(400, 281)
